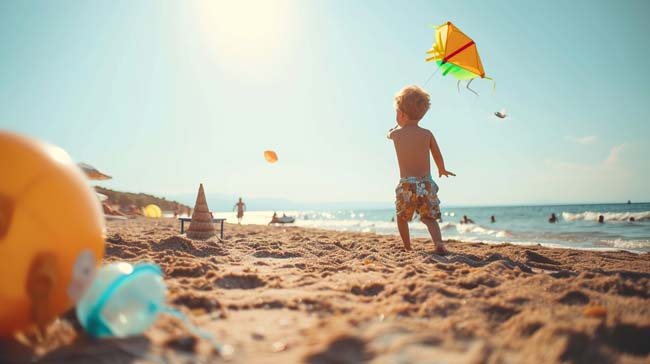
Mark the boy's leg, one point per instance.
(405, 208)
(436, 236)
(403, 227)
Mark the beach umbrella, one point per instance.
(456, 54)
(92, 172)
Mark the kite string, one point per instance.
(430, 77)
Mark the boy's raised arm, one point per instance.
(437, 157)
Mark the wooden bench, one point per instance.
(189, 219)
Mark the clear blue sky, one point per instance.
(164, 95)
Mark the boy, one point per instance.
(416, 190)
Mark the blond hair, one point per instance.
(413, 101)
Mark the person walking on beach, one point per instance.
(241, 207)
(274, 218)
(416, 190)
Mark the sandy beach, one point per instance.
(336, 133)
(296, 295)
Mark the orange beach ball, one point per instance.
(270, 156)
(51, 232)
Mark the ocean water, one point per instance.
(577, 225)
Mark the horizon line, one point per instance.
(465, 206)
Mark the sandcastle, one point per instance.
(201, 226)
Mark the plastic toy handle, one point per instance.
(226, 351)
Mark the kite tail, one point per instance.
(469, 88)
(494, 84)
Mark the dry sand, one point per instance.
(294, 295)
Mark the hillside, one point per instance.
(139, 199)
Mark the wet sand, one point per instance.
(295, 295)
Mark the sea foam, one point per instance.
(626, 244)
(609, 216)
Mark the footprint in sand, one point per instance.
(371, 290)
(574, 298)
(194, 301)
(530, 328)
(275, 254)
(187, 269)
(234, 281)
(499, 313)
(343, 349)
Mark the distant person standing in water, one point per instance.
(466, 220)
(241, 207)
(601, 219)
(493, 219)
(553, 218)
(632, 219)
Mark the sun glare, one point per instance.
(243, 33)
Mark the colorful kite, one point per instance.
(456, 54)
(270, 156)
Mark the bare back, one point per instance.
(412, 144)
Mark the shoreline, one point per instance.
(625, 228)
(300, 295)
(426, 238)
(419, 237)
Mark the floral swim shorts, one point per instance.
(417, 194)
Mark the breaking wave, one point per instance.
(480, 230)
(609, 216)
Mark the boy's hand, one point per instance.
(445, 173)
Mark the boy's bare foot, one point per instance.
(441, 250)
